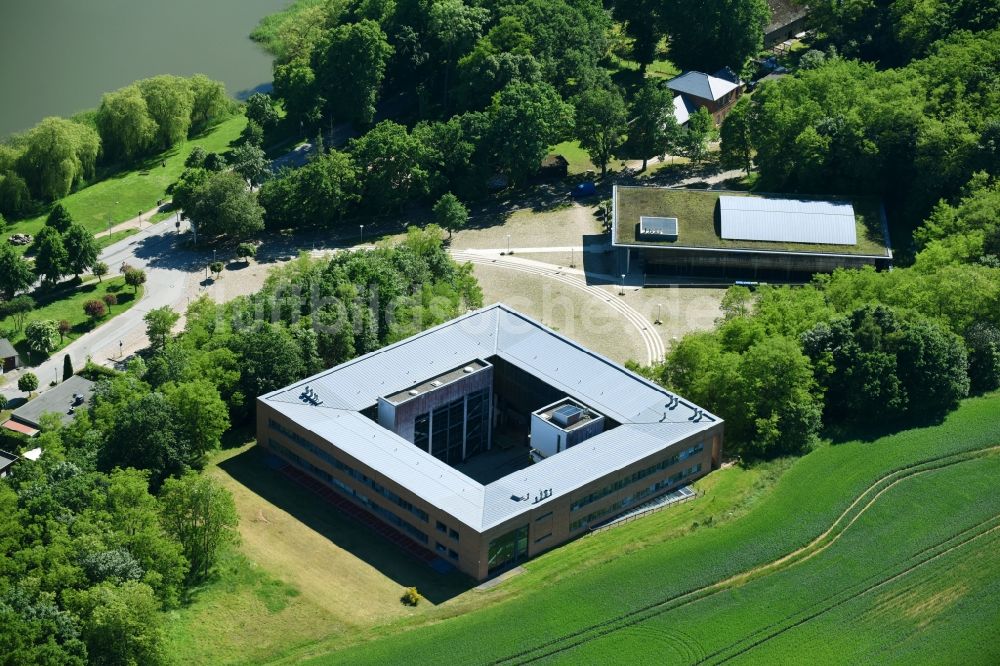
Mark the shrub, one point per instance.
(411, 597)
(95, 309)
(109, 300)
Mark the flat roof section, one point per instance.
(58, 399)
(788, 220)
(697, 211)
(434, 383)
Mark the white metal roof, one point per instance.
(787, 220)
(638, 405)
(701, 85)
(683, 109)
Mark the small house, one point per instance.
(9, 359)
(695, 90)
(64, 399)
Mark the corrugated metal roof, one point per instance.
(701, 85)
(787, 220)
(579, 373)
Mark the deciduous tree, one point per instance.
(349, 64)
(15, 272)
(170, 102)
(41, 336)
(127, 130)
(450, 214)
(654, 130)
(222, 206)
(27, 382)
(600, 124)
(51, 258)
(159, 323)
(81, 248)
(525, 120)
(202, 516)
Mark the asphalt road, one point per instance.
(167, 271)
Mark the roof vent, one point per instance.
(435, 383)
(413, 391)
(467, 369)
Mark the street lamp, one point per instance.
(121, 349)
(658, 320)
(508, 243)
(361, 231)
(623, 285)
(572, 255)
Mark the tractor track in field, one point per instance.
(842, 597)
(655, 348)
(861, 504)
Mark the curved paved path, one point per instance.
(655, 349)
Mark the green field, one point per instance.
(866, 551)
(67, 303)
(122, 196)
(695, 213)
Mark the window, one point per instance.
(543, 517)
(626, 501)
(441, 527)
(543, 537)
(439, 547)
(452, 554)
(507, 550)
(422, 431)
(453, 533)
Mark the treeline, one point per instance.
(110, 527)
(48, 161)
(913, 135)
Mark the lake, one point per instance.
(58, 57)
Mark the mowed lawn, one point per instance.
(563, 225)
(912, 579)
(66, 303)
(123, 195)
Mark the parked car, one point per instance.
(585, 189)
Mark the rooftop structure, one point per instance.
(9, 359)
(788, 220)
(6, 461)
(514, 361)
(657, 228)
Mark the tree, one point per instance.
(123, 121)
(196, 158)
(736, 148)
(170, 102)
(41, 336)
(58, 155)
(18, 309)
(109, 300)
(983, 342)
(246, 251)
(642, 22)
(654, 130)
(391, 161)
(214, 162)
(216, 267)
(700, 129)
(251, 163)
(64, 328)
(203, 416)
(27, 383)
(99, 269)
(600, 124)
(269, 358)
(201, 515)
(3, 402)
(67, 367)
(183, 190)
(252, 135)
(15, 198)
(455, 26)
(349, 64)
(525, 120)
(123, 624)
(95, 309)
(159, 323)
(143, 435)
(222, 206)
(51, 258)
(209, 101)
(737, 302)
(450, 214)
(260, 110)
(705, 36)
(59, 219)
(15, 272)
(81, 248)
(134, 277)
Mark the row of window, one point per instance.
(636, 476)
(442, 549)
(381, 512)
(625, 502)
(323, 454)
(444, 529)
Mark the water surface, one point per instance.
(58, 57)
